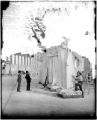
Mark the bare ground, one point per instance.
(40, 103)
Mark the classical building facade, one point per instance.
(23, 62)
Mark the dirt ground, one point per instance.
(40, 103)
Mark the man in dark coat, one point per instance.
(28, 79)
(19, 81)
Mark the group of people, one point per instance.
(19, 79)
(78, 81)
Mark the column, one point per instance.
(19, 59)
(23, 60)
(28, 60)
(12, 59)
(16, 59)
(31, 61)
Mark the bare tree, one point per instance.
(37, 28)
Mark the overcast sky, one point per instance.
(74, 19)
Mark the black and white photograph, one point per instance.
(48, 59)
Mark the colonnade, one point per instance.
(20, 59)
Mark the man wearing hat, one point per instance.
(28, 79)
(19, 81)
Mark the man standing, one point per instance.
(19, 81)
(28, 79)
